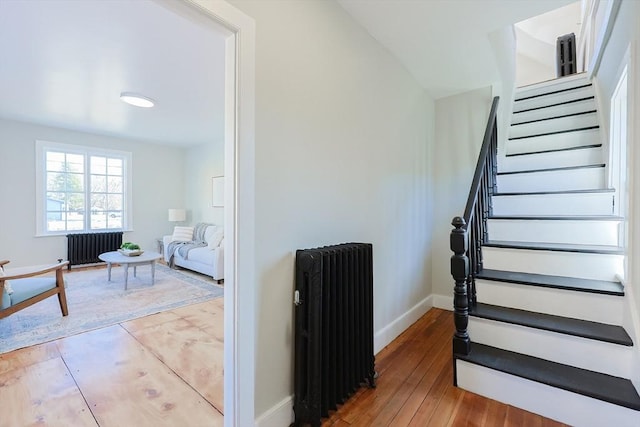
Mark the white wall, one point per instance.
(460, 125)
(158, 182)
(202, 163)
(343, 136)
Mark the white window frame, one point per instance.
(41, 184)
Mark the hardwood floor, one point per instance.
(166, 369)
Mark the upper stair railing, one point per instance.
(470, 233)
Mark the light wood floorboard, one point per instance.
(167, 370)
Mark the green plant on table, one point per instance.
(130, 246)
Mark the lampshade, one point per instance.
(177, 215)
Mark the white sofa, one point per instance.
(207, 260)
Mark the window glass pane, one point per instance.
(75, 202)
(98, 219)
(98, 165)
(55, 181)
(98, 183)
(75, 182)
(115, 184)
(55, 161)
(114, 202)
(115, 167)
(98, 202)
(114, 220)
(75, 225)
(75, 163)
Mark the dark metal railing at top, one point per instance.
(470, 232)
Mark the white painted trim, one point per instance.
(444, 302)
(384, 336)
(239, 210)
(280, 415)
(603, 37)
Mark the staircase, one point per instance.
(545, 331)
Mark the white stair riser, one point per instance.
(566, 82)
(551, 402)
(554, 204)
(554, 125)
(555, 263)
(556, 159)
(552, 99)
(554, 142)
(608, 358)
(581, 232)
(560, 302)
(555, 111)
(560, 180)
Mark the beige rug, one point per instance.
(95, 303)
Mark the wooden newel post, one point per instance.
(460, 271)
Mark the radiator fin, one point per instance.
(333, 328)
(84, 248)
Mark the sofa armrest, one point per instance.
(165, 243)
(218, 263)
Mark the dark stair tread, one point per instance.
(555, 104)
(559, 218)
(555, 150)
(590, 191)
(564, 325)
(553, 92)
(562, 116)
(556, 132)
(616, 390)
(560, 247)
(556, 282)
(562, 168)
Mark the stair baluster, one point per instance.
(470, 232)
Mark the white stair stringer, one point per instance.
(552, 159)
(553, 180)
(555, 204)
(595, 266)
(598, 356)
(551, 402)
(575, 231)
(554, 141)
(559, 302)
(557, 124)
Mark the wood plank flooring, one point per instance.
(167, 370)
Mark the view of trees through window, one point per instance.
(83, 192)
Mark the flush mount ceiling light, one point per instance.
(137, 99)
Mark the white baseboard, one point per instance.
(444, 302)
(387, 334)
(280, 415)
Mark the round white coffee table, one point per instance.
(116, 257)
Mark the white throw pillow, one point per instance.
(216, 238)
(182, 234)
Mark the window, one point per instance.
(81, 189)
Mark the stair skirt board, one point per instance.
(558, 302)
(583, 178)
(579, 138)
(569, 204)
(572, 107)
(551, 402)
(557, 263)
(608, 358)
(589, 155)
(560, 83)
(553, 98)
(579, 232)
(578, 121)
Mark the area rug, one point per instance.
(95, 303)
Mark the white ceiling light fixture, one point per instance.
(137, 99)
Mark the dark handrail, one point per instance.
(470, 233)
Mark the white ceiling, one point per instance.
(444, 43)
(64, 63)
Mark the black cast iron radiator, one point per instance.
(333, 328)
(84, 248)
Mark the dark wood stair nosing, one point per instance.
(537, 193)
(597, 331)
(557, 169)
(553, 92)
(555, 150)
(602, 287)
(554, 247)
(555, 105)
(557, 218)
(562, 116)
(608, 388)
(556, 132)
